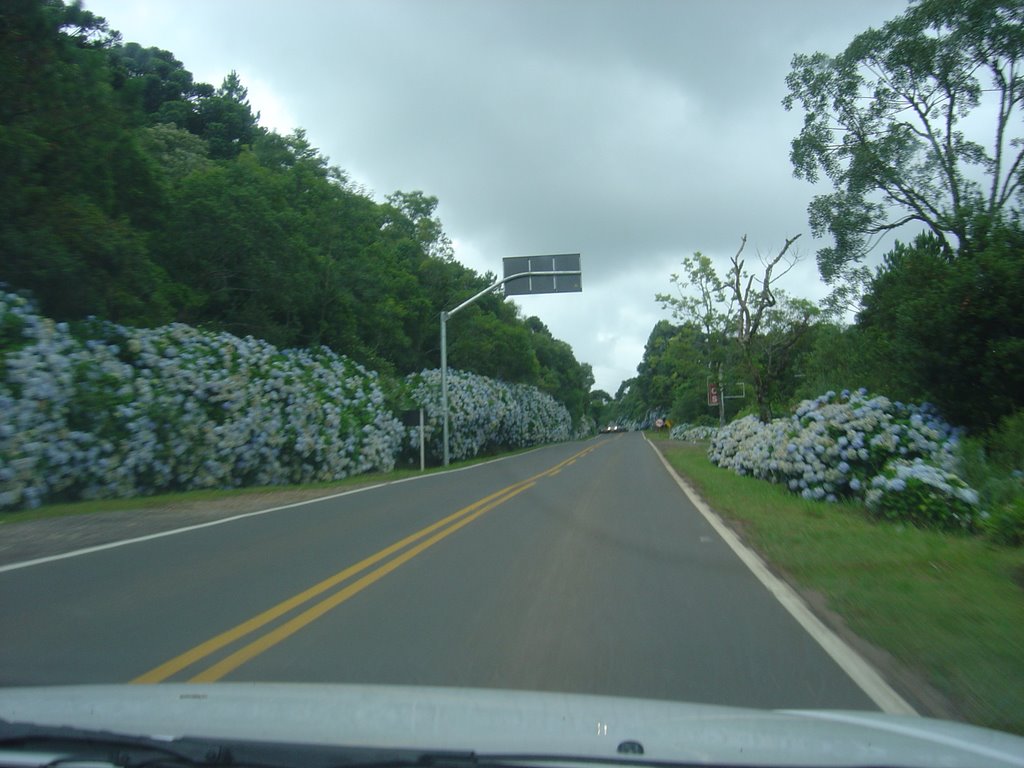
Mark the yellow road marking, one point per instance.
(187, 659)
(275, 636)
(198, 653)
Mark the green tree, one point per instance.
(629, 405)
(656, 374)
(225, 119)
(155, 83)
(703, 301)
(744, 316)
(234, 246)
(559, 373)
(76, 189)
(480, 342)
(884, 122)
(952, 325)
(416, 217)
(599, 406)
(175, 151)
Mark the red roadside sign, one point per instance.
(712, 393)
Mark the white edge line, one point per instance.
(862, 673)
(243, 516)
(174, 531)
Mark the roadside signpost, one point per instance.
(559, 273)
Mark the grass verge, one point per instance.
(948, 607)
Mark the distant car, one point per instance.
(610, 428)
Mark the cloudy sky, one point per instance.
(631, 131)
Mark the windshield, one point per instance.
(496, 352)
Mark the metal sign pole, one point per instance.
(423, 444)
(444, 383)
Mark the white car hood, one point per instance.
(511, 722)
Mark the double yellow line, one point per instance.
(426, 537)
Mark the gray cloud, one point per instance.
(634, 132)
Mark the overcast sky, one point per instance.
(632, 132)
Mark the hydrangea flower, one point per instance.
(851, 445)
(104, 410)
(484, 414)
(692, 434)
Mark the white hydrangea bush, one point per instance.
(854, 445)
(692, 434)
(484, 414)
(110, 411)
(586, 428)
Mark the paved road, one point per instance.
(579, 567)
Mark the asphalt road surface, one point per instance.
(579, 567)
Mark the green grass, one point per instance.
(948, 607)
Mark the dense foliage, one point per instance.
(489, 414)
(99, 410)
(939, 320)
(953, 326)
(899, 458)
(916, 121)
(130, 192)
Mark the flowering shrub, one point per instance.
(586, 428)
(849, 444)
(485, 414)
(924, 495)
(692, 434)
(113, 411)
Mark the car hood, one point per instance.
(491, 722)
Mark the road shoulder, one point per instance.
(897, 686)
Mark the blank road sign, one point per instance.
(541, 283)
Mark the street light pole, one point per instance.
(463, 305)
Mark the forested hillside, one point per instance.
(133, 193)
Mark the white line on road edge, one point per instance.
(862, 673)
(186, 529)
(175, 531)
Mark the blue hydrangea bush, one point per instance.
(898, 458)
(484, 415)
(922, 494)
(108, 411)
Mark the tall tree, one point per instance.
(770, 325)
(225, 119)
(703, 301)
(748, 313)
(884, 121)
(75, 186)
(416, 214)
(953, 326)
